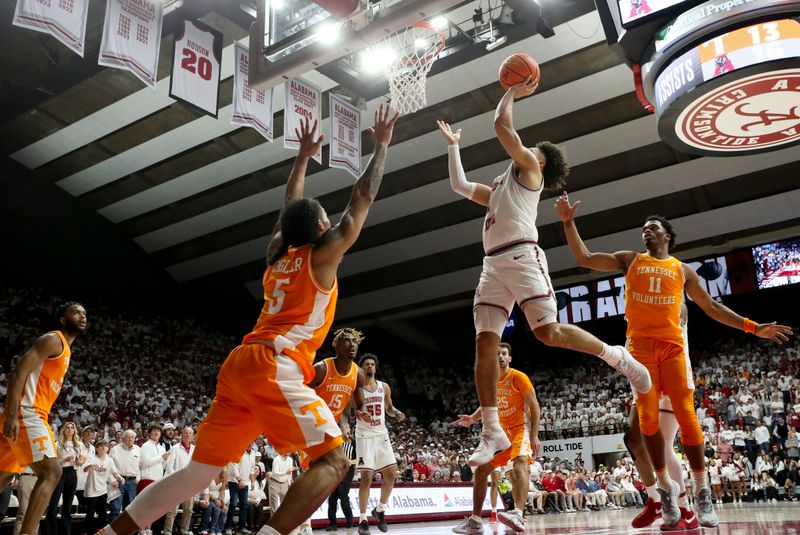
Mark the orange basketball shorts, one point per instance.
(671, 372)
(520, 438)
(34, 442)
(259, 392)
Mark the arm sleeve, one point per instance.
(458, 180)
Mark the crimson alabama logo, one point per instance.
(751, 113)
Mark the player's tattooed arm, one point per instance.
(390, 408)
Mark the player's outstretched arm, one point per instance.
(504, 127)
(466, 420)
(46, 346)
(535, 412)
(618, 261)
(721, 313)
(473, 191)
(297, 178)
(344, 234)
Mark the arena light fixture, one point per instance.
(375, 60)
(277, 4)
(440, 23)
(420, 43)
(328, 33)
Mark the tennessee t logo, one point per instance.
(314, 407)
(41, 441)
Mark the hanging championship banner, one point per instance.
(345, 136)
(196, 70)
(132, 37)
(251, 107)
(302, 101)
(63, 19)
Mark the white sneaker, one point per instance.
(670, 512)
(305, 531)
(704, 506)
(469, 526)
(492, 443)
(634, 371)
(513, 520)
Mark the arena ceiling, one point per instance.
(200, 196)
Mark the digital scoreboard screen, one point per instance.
(777, 264)
(635, 10)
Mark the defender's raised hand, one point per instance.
(308, 146)
(524, 89)
(384, 124)
(565, 210)
(452, 138)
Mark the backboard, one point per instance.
(295, 37)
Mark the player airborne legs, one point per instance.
(262, 385)
(515, 267)
(654, 285)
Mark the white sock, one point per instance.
(106, 530)
(381, 507)
(477, 519)
(652, 493)
(611, 354)
(517, 512)
(683, 501)
(699, 479)
(664, 482)
(362, 517)
(490, 418)
(266, 530)
(494, 509)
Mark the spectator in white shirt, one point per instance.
(761, 434)
(279, 479)
(238, 486)
(152, 462)
(71, 455)
(179, 457)
(87, 437)
(255, 496)
(126, 456)
(100, 472)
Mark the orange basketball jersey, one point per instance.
(297, 312)
(44, 383)
(511, 391)
(336, 390)
(653, 297)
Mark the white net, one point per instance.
(410, 54)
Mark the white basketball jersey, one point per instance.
(374, 406)
(511, 214)
(197, 67)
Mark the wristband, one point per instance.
(750, 326)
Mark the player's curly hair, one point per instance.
(556, 167)
(298, 225)
(368, 356)
(358, 335)
(667, 226)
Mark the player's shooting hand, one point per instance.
(773, 331)
(306, 134)
(524, 89)
(464, 420)
(384, 125)
(565, 210)
(364, 417)
(11, 429)
(452, 138)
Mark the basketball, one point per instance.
(516, 69)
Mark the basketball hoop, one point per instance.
(411, 54)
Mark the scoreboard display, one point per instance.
(722, 76)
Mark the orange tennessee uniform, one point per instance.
(336, 390)
(297, 312)
(653, 296)
(35, 440)
(514, 416)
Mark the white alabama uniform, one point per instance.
(515, 267)
(373, 447)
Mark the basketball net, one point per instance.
(413, 52)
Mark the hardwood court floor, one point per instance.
(739, 519)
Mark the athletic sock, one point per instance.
(683, 501)
(494, 510)
(652, 493)
(516, 512)
(362, 518)
(266, 530)
(381, 507)
(477, 519)
(664, 481)
(490, 418)
(107, 530)
(699, 480)
(611, 354)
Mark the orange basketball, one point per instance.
(516, 69)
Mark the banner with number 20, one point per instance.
(196, 68)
